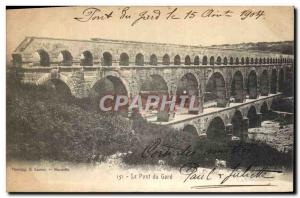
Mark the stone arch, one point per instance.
(51, 77)
(44, 59)
(65, 58)
(196, 60)
(106, 59)
(215, 90)
(188, 85)
(155, 82)
(139, 59)
(166, 59)
(219, 60)
(242, 61)
(252, 85)
(264, 110)
(264, 107)
(251, 60)
(237, 124)
(216, 129)
(62, 88)
(252, 116)
(191, 130)
(260, 61)
(225, 61)
(212, 60)
(59, 88)
(124, 59)
(281, 80)
(86, 58)
(154, 85)
(264, 83)
(273, 81)
(153, 60)
(237, 87)
(204, 60)
(187, 60)
(231, 60)
(247, 61)
(109, 85)
(114, 75)
(256, 60)
(177, 60)
(237, 61)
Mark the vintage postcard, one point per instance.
(150, 99)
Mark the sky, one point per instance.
(276, 24)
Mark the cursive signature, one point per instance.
(191, 172)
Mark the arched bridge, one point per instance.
(234, 88)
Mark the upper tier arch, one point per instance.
(107, 53)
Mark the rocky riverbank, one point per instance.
(271, 133)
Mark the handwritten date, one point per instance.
(126, 13)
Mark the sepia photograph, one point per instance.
(115, 99)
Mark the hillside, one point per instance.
(285, 47)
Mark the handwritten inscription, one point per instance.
(191, 173)
(92, 14)
(127, 14)
(159, 150)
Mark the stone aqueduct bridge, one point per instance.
(234, 87)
